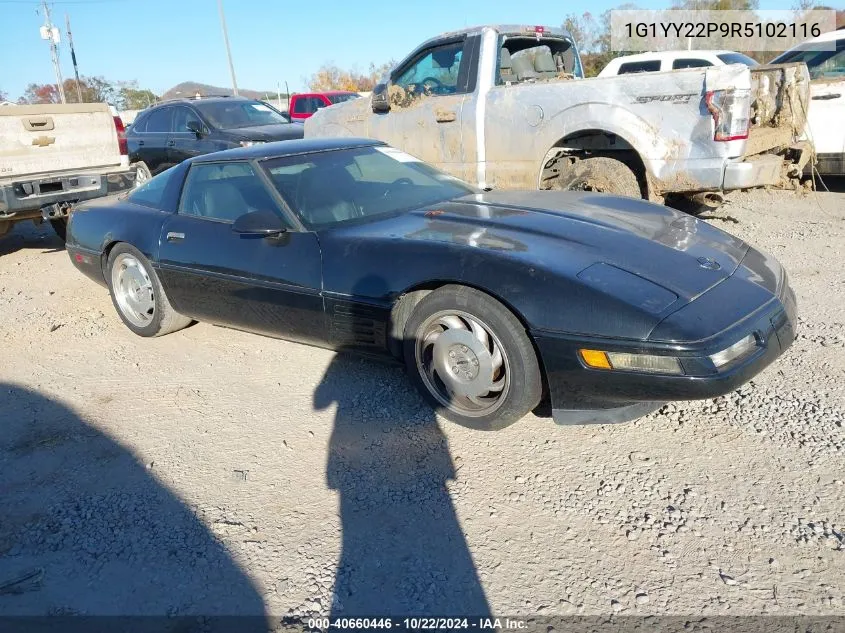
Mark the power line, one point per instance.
(228, 50)
(73, 57)
(51, 34)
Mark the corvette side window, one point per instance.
(224, 192)
(151, 193)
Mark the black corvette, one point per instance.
(497, 302)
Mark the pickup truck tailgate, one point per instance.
(780, 96)
(36, 139)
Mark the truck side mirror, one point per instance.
(379, 100)
(196, 127)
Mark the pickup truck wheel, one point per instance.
(137, 294)
(142, 173)
(60, 227)
(602, 174)
(471, 358)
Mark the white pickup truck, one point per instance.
(53, 156)
(507, 107)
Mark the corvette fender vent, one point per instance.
(357, 327)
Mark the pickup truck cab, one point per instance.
(507, 107)
(658, 61)
(305, 104)
(53, 156)
(826, 117)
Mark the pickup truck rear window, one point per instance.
(639, 67)
(736, 58)
(690, 62)
(307, 105)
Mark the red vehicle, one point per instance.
(305, 104)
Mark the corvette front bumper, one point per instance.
(582, 395)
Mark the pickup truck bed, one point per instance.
(53, 156)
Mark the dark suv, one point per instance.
(166, 134)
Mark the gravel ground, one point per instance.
(217, 472)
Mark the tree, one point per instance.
(3, 96)
(716, 5)
(93, 90)
(131, 97)
(41, 93)
(840, 15)
(592, 37)
(125, 95)
(331, 77)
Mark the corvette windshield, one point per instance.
(334, 187)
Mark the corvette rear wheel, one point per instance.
(137, 294)
(472, 359)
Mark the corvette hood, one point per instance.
(674, 250)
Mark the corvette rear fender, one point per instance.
(96, 230)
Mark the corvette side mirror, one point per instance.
(259, 223)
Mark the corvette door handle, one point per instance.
(827, 97)
(175, 237)
(141, 143)
(445, 116)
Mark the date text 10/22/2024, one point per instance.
(417, 624)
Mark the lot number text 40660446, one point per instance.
(416, 624)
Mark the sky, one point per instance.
(161, 43)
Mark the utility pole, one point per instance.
(51, 33)
(73, 57)
(228, 50)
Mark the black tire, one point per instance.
(521, 374)
(163, 319)
(602, 174)
(60, 227)
(142, 173)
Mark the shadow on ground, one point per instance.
(403, 550)
(87, 530)
(26, 235)
(834, 184)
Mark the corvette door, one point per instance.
(267, 285)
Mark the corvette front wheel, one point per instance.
(472, 359)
